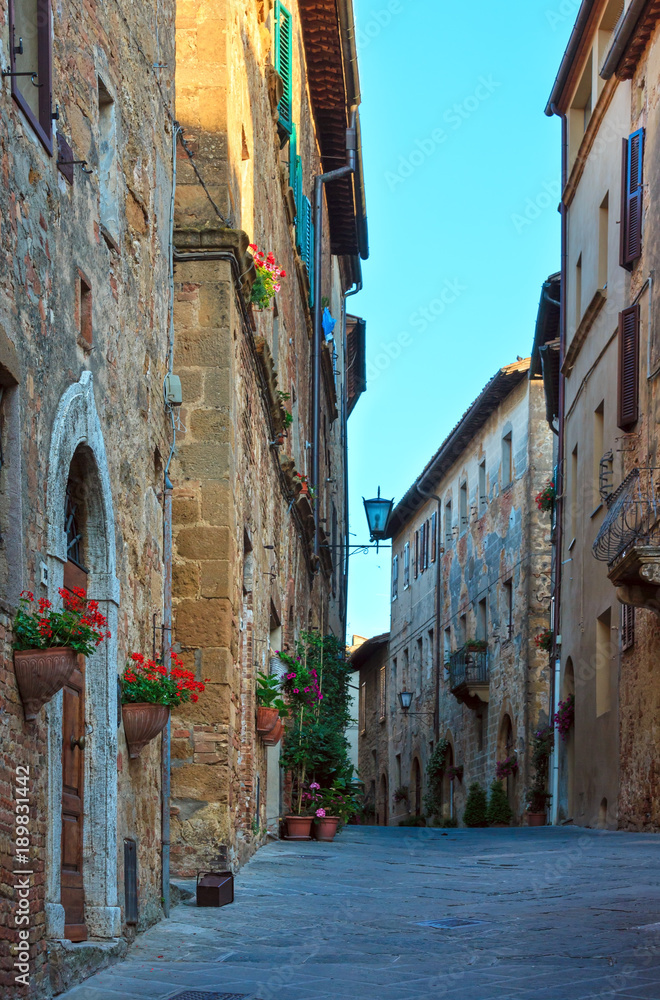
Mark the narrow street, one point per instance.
(549, 914)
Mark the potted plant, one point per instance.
(401, 794)
(545, 500)
(544, 640)
(267, 281)
(47, 643)
(271, 706)
(337, 805)
(542, 742)
(499, 812)
(564, 716)
(506, 767)
(148, 691)
(476, 806)
(455, 772)
(476, 646)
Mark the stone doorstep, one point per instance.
(70, 963)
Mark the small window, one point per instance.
(599, 431)
(30, 56)
(507, 460)
(429, 652)
(603, 664)
(416, 555)
(578, 291)
(448, 526)
(420, 659)
(406, 565)
(363, 707)
(381, 692)
(446, 646)
(434, 536)
(482, 619)
(84, 307)
(627, 626)
(603, 236)
(574, 493)
(107, 165)
(422, 547)
(463, 506)
(508, 609)
(482, 499)
(395, 578)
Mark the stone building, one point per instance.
(261, 91)
(606, 628)
(370, 661)
(471, 565)
(84, 280)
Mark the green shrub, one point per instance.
(475, 807)
(499, 810)
(413, 821)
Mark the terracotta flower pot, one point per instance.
(143, 721)
(41, 673)
(535, 819)
(272, 738)
(325, 827)
(267, 719)
(299, 827)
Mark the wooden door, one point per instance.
(73, 728)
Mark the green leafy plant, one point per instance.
(283, 395)
(267, 281)
(504, 768)
(542, 744)
(476, 645)
(412, 821)
(342, 799)
(564, 716)
(544, 640)
(476, 806)
(435, 770)
(288, 418)
(499, 810)
(269, 694)
(78, 624)
(545, 500)
(401, 794)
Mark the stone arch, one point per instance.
(77, 432)
(506, 745)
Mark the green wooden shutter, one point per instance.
(292, 158)
(283, 61)
(298, 193)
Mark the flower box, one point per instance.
(40, 674)
(143, 721)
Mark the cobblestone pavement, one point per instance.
(404, 914)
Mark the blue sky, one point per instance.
(462, 185)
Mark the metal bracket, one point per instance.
(71, 163)
(33, 76)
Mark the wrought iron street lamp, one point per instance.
(378, 511)
(406, 700)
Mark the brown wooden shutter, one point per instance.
(628, 367)
(422, 537)
(434, 536)
(416, 554)
(632, 199)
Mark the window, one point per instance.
(448, 531)
(580, 110)
(463, 506)
(578, 291)
(406, 565)
(283, 51)
(574, 493)
(603, 664)
(482, 619)
(30, 56)
(628, 367)
(482, 499)
(397, 769)
(406, 664)
(603, 234)
(630, 246)
(107, 164)
(84, 310)
(363, 707)
(627, 626)
(429, 652)
(507, 460)
(394, 667)
(446, 646)
(462, 629)
(305, 242)
(420, 660)
(416, 555)
(508, 608)
(295, 178)
(395, 578)
(422, 547)
(434, 536)
(599, 426)
(381, 692)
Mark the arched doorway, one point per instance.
(78, 476)
(417, 787)
(383, 810)
(447, 796)
(506, 748)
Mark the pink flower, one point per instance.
(320, 813)
(296, 691)
(315, 784)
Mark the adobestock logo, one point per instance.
(533, 207)
(453, 117)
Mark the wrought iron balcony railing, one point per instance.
(468, 668)
(633, 516)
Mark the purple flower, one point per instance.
(315, 784)
(296, 691)
(320, 813)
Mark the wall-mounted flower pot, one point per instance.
(536, 819)
(267, 719)
(41, 673)
(143, 721)
(298, 827)
(272, 738)
(325, 827)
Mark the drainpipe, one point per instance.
(438, 604)
(344, 422)
(559, 485)
(165, 753)
(319, 181)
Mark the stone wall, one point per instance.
(51, 234)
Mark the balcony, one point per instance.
(629, 539)
(469, 677)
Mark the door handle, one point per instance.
(80, 743)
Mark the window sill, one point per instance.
(596, 510)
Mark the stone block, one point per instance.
(204, 623)
(200, 346)
(218, 666)
(185, 510)
(205, 460)
(211, 425)
(217, 578)
(203, 784)
(203, 542)
(185, 579)
(218, 387)
(218, 503)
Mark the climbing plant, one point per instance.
(435, 770)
